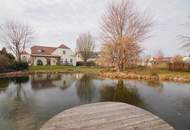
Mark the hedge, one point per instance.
(179, 67)
(16, 66)
(89, 63)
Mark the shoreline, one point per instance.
(110, 75)
(132, 76)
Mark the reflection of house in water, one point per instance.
(67, 80)
(79, 76)
(41, 81)
(44, 76)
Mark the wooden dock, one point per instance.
(106, 116)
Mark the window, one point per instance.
(66, 62)
(71, 60)
(40, 51)
(64, 52)
(24, 58)
(39, 63)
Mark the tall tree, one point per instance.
(186, 39)
(85, 46)
(16, 36)
(123, 28)
(6, 58)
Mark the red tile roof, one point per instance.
(63, 46)
(163, 59)
(43, 50)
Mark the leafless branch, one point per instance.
(16, 37)
(85, 46)
(123, 28)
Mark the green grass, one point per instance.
(161, 71)
(81, 69)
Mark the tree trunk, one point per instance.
(85, 62)
(120, 67)
(19, 57)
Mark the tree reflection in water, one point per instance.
(4, 82)
(155, 84)
(20, 91)
(19, 105)
(85, 89)
(121, 93)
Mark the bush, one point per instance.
(20, 66)
(16, 66)
(153, 73)
(179, 67)
(4, 61)
(89, 63)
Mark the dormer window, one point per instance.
(64, 52)
(40, 51)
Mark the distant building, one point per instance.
(44, 55)
(186, 60)
(156, 60)
(93, 57)
(25, 56)
(162, 59)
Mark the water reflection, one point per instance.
(27, 102)
(85, 89)
(121, 93)
(45, 81)
(17, 106)
(17, 92)
(4, 82)
(154, 83)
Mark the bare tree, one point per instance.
(85, 46)
(16, 36)
(123, 28)
(186, 39)
(186, 42)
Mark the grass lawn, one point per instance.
(81, 69)
(161, 71)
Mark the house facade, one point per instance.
(43, 55)
(25, 56)
(93, 57)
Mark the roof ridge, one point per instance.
(43, 46)
(63, 46)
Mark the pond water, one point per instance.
(26, 103)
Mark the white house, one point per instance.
(43, 55)
(25, 56)
(186, 60)
(93, 57)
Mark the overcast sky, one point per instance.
(61, 21)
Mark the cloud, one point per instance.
(60, 21)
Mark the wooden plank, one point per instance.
(106, 116)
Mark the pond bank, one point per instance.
(14, 74)
(122, 75)
(131, 74)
